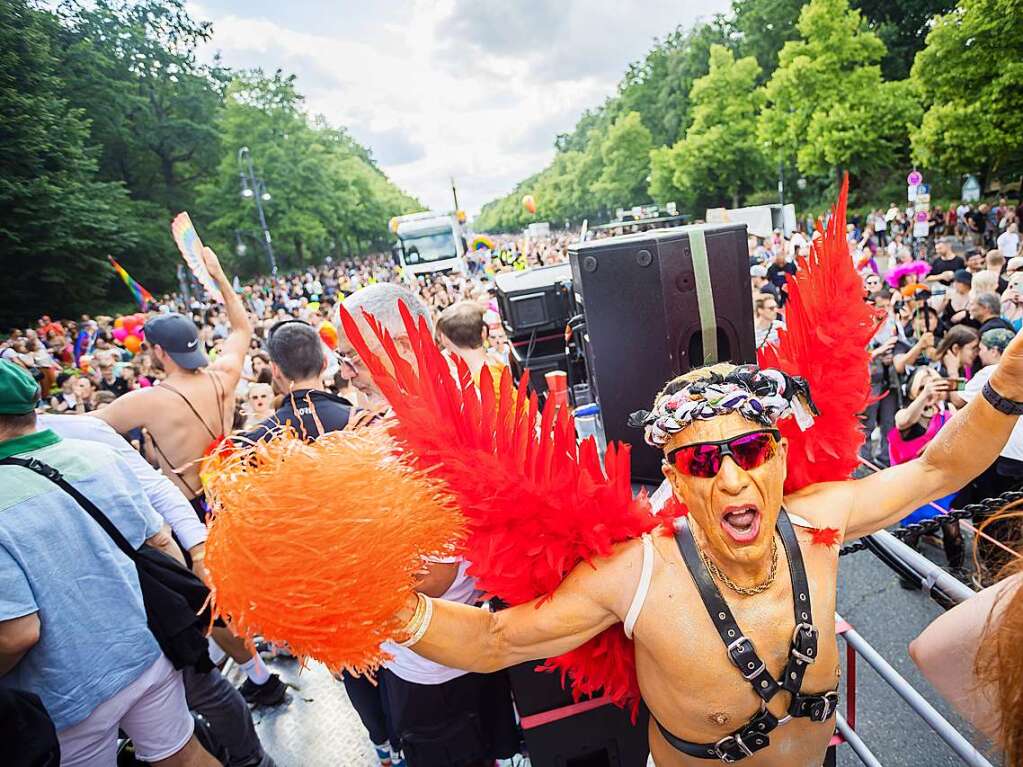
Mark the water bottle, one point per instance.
(588, 424)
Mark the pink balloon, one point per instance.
(120, 333)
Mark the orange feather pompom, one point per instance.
(318, 544)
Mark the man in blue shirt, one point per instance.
(73, 626)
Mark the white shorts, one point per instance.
(151, 710)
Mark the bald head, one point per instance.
(381, 301)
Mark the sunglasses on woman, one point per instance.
(704, 459)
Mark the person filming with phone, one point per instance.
(926, 412)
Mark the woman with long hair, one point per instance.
(973, 656)
(955, 356)
(916, 425)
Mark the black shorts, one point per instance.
(199, 507)
(456, 723)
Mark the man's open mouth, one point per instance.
(741, 523)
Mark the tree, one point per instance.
(151, 108)
(626, 157)
(827, 105)
(57, 222)
(720, 158)
(764, 27)
(326, 198)
(969, 79)
(902, 26)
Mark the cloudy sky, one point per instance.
(474, 89)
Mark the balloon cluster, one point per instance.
(128, 331)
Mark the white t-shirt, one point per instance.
(1014, 447)
(1008, 243)
(414, 668)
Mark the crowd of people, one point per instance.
(948, 305)
(273, 353)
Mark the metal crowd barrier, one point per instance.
(912, 565)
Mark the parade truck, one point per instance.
(428, 243)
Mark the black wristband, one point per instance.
(1000, 403)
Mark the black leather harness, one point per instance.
(753, 736)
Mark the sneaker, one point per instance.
(384, 755)
(270, 693)
(397, 760)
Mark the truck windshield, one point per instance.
(427, 248)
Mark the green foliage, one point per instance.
(720, 160)
(827, 105)
(57, 221)
(902, 26)
(326, 198)
(764, 27)
(969, 79)
(625, 156)
(112, 126)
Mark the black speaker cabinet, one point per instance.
(536, 301)
(641, 295)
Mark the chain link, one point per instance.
(970, 511)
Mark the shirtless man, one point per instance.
(194, 405)
(728, 574)
(190, 410)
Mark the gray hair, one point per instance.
(990, 301)
(381, 301)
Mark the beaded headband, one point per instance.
(762, 396)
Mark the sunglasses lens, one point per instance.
(752, 450)
(699, 460)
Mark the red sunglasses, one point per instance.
(703, 459)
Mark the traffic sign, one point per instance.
(921, 215)
(915, 178)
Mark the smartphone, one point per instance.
(958, 384)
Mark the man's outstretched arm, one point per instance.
(236, 346)
(586, 603)
(964, 448)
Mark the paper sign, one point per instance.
(921, 215)
(921, 228)
(190, 246)
(911, 191)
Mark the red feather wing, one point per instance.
(828, 326)
(536, 504)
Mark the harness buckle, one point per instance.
(733, 650)
(804, 643)
(736, 741)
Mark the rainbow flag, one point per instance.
(142, 296)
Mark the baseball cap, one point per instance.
(758, 270)
(997, 338)
(1014, 264)
(178, 336)
(19, 391)
(963, 276)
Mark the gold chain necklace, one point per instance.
(748, 591)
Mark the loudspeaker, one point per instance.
(642, 297)
(561, 733)
(535, 301)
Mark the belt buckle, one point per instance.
(747, 675)
(823, 706)
(831, 704)
(727, 758)
(812, 630)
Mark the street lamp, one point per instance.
(253, 188)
